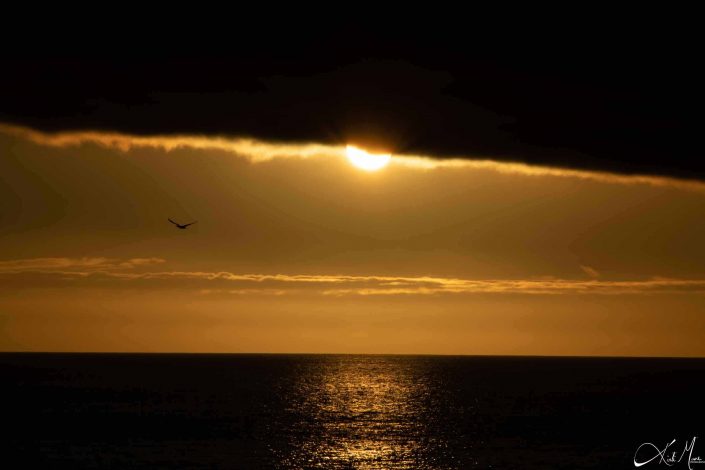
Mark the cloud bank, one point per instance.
(257, 151)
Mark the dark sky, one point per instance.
(624, 97)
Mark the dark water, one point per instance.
(345, 412)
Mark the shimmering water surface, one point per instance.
(344, 412)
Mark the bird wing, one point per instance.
(172, 222)
(190, 223)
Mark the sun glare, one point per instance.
(366, 161)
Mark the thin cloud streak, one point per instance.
(87, 264)
(590, 271)
(207, 283)
(258, 151)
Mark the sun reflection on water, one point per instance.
(370, 414)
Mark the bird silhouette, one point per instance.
(180, 225)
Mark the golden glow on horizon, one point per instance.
(366, 161)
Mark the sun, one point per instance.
(366, 161)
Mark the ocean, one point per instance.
(259, 411)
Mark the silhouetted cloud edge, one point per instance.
(257, 151)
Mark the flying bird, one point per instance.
(181, 226)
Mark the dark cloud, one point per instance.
(619, 98)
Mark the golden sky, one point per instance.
(296, 250)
